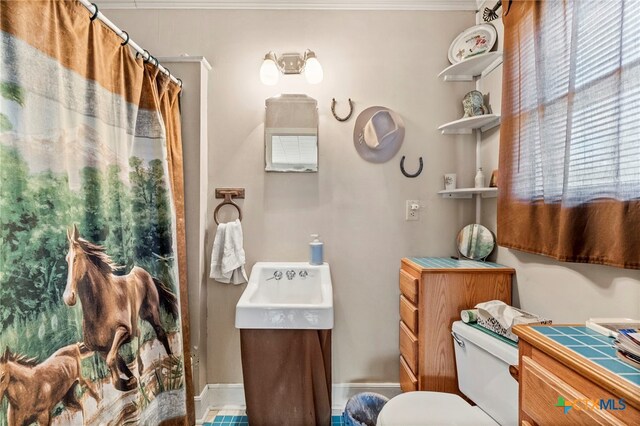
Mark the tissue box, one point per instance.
(490, 323)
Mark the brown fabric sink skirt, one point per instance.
(287, 376)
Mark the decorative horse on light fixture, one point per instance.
(33, 390)
(111, 304)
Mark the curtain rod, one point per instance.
(93, 8)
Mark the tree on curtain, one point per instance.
(91, 229)
(569, 151)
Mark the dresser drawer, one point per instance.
(409, 314)
(540, 390)
(409, 286)
(408, 380)
(409, 347)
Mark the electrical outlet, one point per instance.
(412, 210)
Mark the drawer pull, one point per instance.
(515, 373)
(458, 340)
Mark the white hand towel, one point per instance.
(234, 259)
(228, 258)
(216, 255)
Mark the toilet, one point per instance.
(482, 362)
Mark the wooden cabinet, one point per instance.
(549, 371)
(433, 291)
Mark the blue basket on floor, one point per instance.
(362, 409)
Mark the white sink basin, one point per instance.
(293, 295)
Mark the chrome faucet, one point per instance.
(291, 274)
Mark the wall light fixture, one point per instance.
(291, 63)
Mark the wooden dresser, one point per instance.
(571, 366)
(433, 291)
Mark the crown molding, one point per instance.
(442, 5)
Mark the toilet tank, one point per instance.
(482, 362)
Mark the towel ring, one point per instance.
(224, 203)
(228, 194)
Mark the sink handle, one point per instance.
(277, 275)
(303, 274)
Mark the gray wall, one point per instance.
(375, 58)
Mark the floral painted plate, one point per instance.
(471, 42)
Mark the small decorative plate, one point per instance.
(473, 104)
(471, 42)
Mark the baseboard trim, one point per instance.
(231, 396)
(341, 392)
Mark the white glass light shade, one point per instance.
(313, 71)
(269, 73)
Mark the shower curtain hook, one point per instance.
(126, 41)
(168, 72)
(142, 55)
(95, 14)
(180, 81)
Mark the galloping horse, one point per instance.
(33, 390)
(111, 304)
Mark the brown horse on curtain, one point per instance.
(111, 304)
(33, 390)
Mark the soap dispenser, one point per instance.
(315, 250)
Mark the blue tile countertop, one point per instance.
(448, 263)
(593, 346)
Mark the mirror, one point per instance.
(475, 242)
(291, 134)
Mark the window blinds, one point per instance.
(578, 103)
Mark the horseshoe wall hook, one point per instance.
(410, 175)
(333, 110)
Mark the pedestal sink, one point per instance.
(287, 295)
(285, 317)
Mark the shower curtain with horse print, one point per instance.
(91, 227)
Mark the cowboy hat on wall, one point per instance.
(378, 134)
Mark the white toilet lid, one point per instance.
(431, 408)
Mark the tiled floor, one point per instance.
(236, 418)
(593, 346)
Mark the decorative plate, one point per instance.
(473, 104)
(471, 42)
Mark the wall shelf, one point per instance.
(470, 192)
(472, 69)
(467, 125)
(468, 69)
